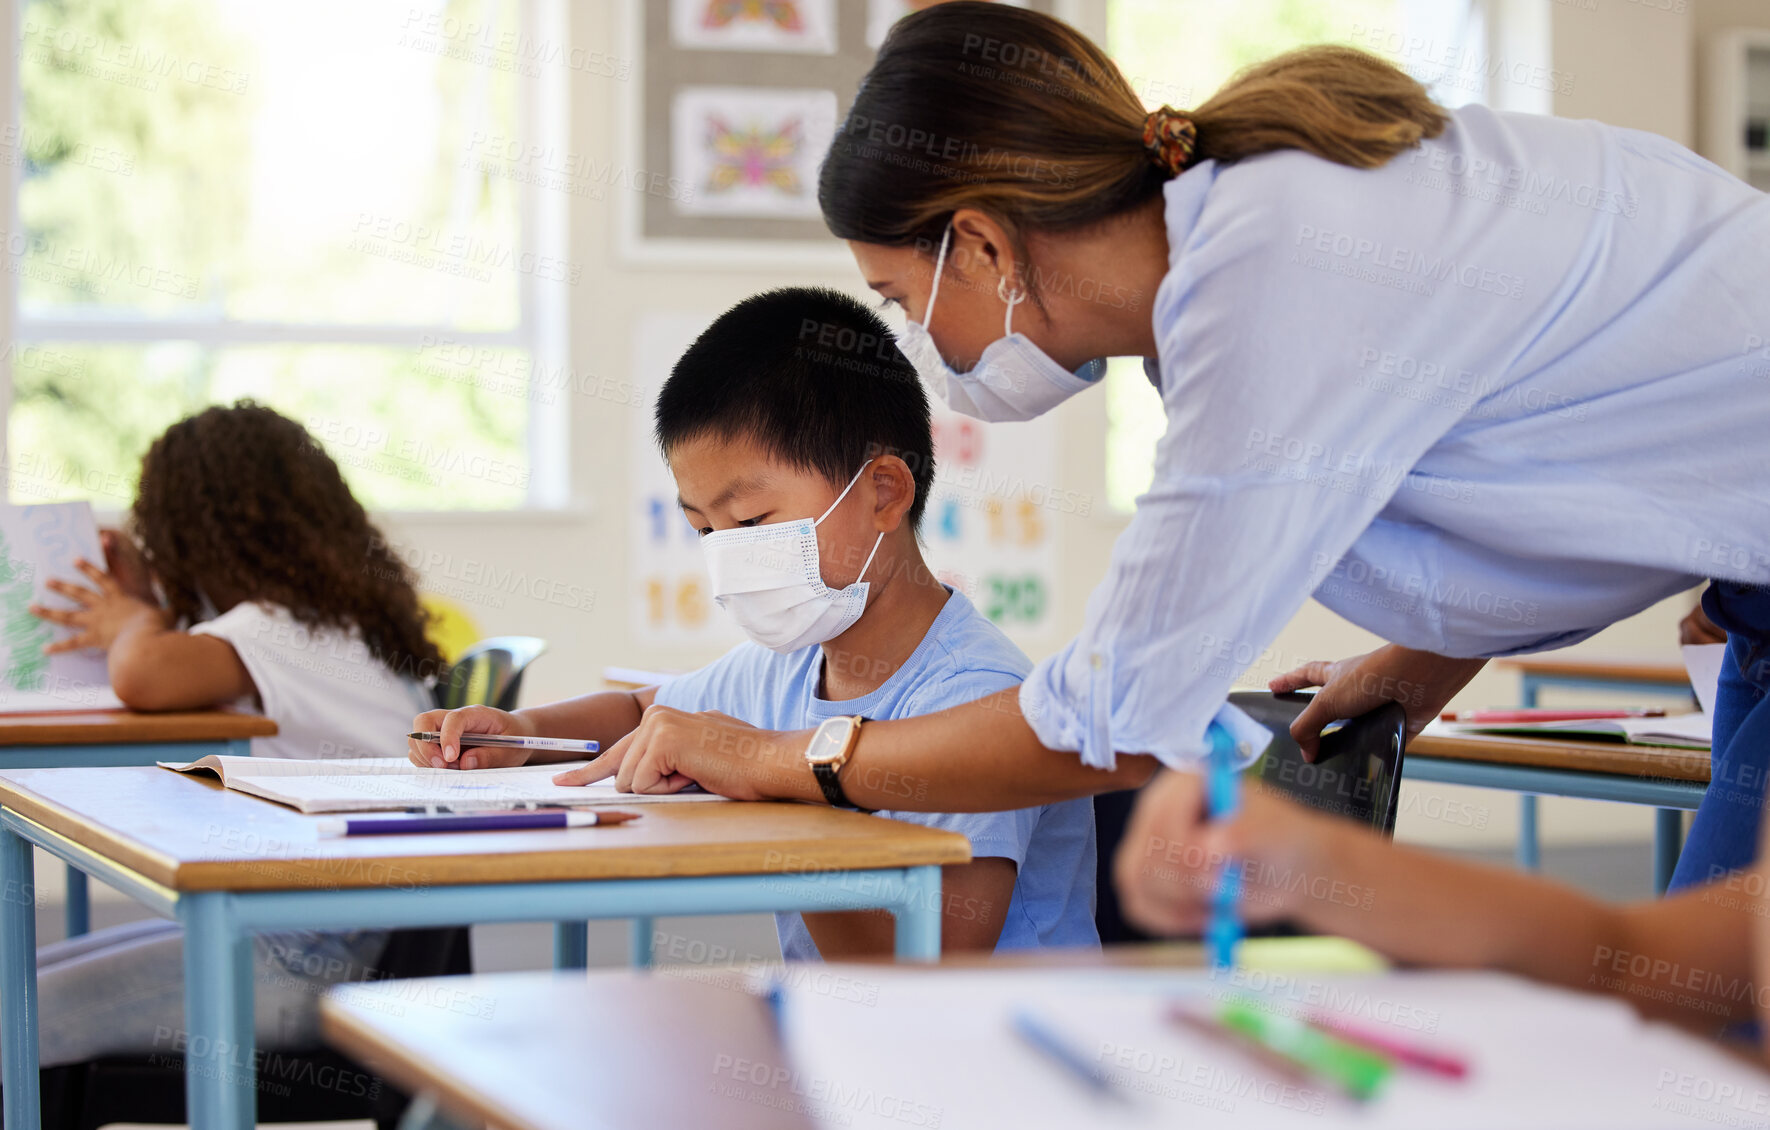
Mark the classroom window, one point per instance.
(292, 202)
(1178, 52)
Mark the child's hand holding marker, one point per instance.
(1172, 857)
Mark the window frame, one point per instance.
(542, 112)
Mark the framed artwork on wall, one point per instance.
(731, 108)
(779, 26)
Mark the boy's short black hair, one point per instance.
(812, 375)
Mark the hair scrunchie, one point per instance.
(1171, 138)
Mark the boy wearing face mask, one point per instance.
(800, 442)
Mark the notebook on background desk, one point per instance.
(39, 544)
(372, 784)
(1679, 731)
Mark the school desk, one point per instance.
(694, 1047)
(1582, 672)
(613, 1049)
(1671, 780)
(226, 865)
(120, 737)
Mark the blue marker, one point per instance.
(1056, 1047)
(1223, 786)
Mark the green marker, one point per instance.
(1356, 1070)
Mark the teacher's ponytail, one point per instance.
(981, 105)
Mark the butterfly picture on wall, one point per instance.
(802, 26)
(747, 151)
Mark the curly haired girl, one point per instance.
(258, 581)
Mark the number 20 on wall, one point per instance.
(1014, 600)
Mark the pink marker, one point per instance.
(1403, 1052)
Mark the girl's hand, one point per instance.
(449, 725)
(104, 611)
(1420, 681)
(124, 560)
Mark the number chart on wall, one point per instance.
(990, 527)
(668, 603)
(988, 530)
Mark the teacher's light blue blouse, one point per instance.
(1490, 398)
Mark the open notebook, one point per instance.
(1679, 731)
(38, 544)
(393, 783)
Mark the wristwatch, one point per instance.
(831, 745)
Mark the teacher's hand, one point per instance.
(672, 749)
(1420, 681)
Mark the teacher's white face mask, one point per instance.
(770, 579)
(1013, 379)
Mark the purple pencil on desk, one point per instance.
(409, 823)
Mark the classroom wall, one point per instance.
(1710, 17)
(1627, 62)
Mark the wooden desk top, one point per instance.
(116, 727)
(543, 1051)
(1599, 667)
(674, 1047)
(190, 834)
(1620, 758)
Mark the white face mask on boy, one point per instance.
(770, 579)
(1013, 379)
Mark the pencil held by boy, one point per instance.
(800, 442)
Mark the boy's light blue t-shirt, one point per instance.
(963, 657)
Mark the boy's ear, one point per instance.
(894, 489)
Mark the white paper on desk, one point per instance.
(1677, 731)
(887, 1048)
(39, 544)
(1702, 662)
(373, 784)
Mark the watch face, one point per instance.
(828, 742)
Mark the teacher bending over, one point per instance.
(1482, 383)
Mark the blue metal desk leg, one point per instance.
(18, 983)
(423, 1114)
(79, 908)
(571, 945)
(918, 918)
(639, 944)
(1530, 850)
(1668, 844)
(219, 1079)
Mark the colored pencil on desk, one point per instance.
(1356, 1070)
(408, 824)
(1402, 1051)
(1037, 1034)
(1545, 714)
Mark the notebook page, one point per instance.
(875, 1048)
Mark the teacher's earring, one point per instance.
(1010, 301)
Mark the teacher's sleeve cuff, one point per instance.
(1176, 735)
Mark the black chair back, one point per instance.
(1358, 776)
(489, 673)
